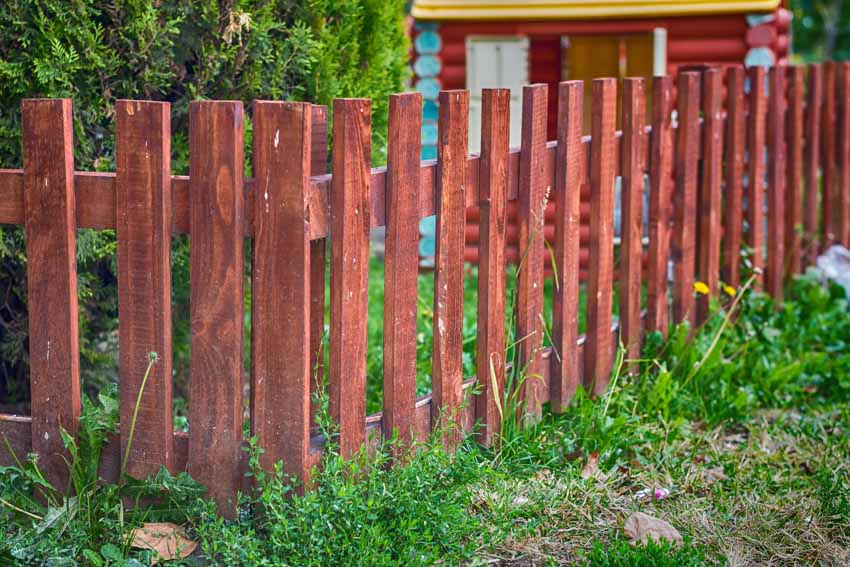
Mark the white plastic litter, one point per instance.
(835, 265)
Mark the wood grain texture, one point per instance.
(709, 197)
(318, 261)
(54, 352)
(216, 297)
(532, 196)
(842, 198)
(756, 171)
(352, 136)
(280, 302)
(143, 198)
(685, 196)
(598, 348)
(400, 265)
(493, 199)
(632, 155)
(447, 363)
(828, 204)
(794, 172)
(733, 217)
(811, 157)
(570, 176)
(660, 192)
(775, 269)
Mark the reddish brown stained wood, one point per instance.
(734, 175)
(216, 297)
(350, 269)
(842, 221)
(685, 196)
(755, 172)
(794, 171)
(447, 366)
(661, 161)
(775, 271)
(143, 199)
(811, 157)
(532, 196)
(318, 166)
(631, 247)
(54, 352)
(828, 158)
(709, 197)
(280, 353)
(598, 349)
(570, 175)
(401, 260)
(493, 198)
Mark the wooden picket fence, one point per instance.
(698, 164)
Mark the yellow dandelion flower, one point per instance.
(729, 290)
(701, 288)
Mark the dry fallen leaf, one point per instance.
(591, 467)
(167, 540)
(710, 476)
(643, 527)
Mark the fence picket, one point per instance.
(447, 363)
(775, 271)
(352, 136)
(794, 172)
(734, 175)
(631, 226)
(685, 196)
(661, 161)
(755, 171)
(401, 259)
(598, 347)
(814, 99)
(50, 229)
(216, 297)
(842, 198)
(570, 175)
(143, 203)
(318, 261)
(532, 197)
(827, 155)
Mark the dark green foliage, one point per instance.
(622, 553)
(820, 29)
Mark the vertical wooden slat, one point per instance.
(350, 269)
(733, 218)
(842, 221)
(774, 274)
(569, 177)
(280, 287)
(216, 297)
(532, 196)
(794, 171)
(447, 364)
(755, 171)
(661, 161)
(401, 260)
(318, 252)
(54, 352)
(631, 247)
(709, 199)
(685, 196)
(828, 203)
(492, 201)
(597, 349)
(814, 99)
(143, 202)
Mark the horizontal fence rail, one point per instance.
(754, 161)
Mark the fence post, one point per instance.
(843, 197)
(447, 365)
(143, 203)
(280, 290)
(827, 156)
(597, 348)
(570, 175)
(774, 276)
(318, 253)
(734, 191)
(814, 99)
(794, 171)
(532, 198)
(350, 269)
(216, 297)
(661, 161)
(50, 228)
(685, 195)
(401, 263)
(755, 171)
